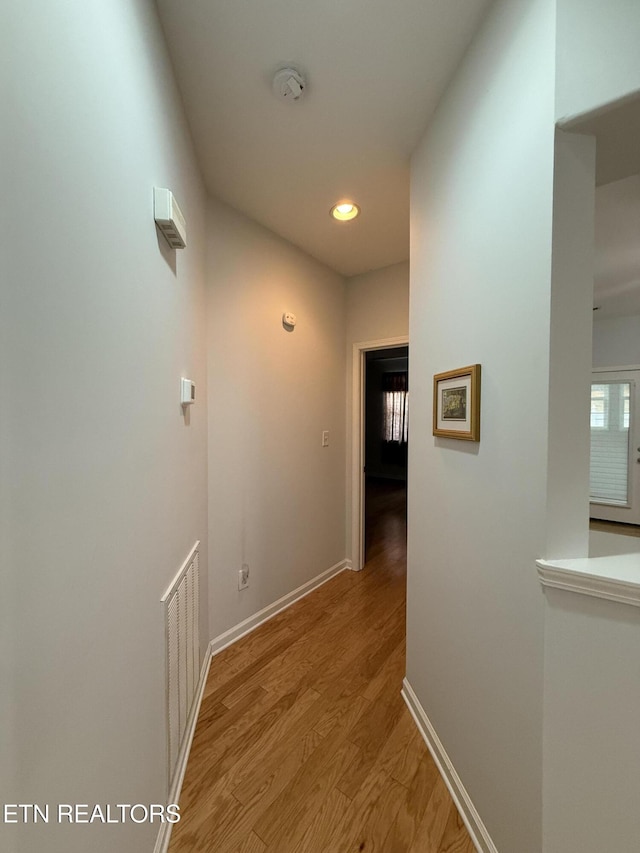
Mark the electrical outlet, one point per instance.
(243, 577)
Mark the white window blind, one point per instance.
(610, 407)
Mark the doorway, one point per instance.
(386, 433)
(356, 503)
(615, 383)
(615, 446)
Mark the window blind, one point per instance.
(610, 402)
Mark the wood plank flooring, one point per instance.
(303, 743)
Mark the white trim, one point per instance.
(164, 834)
(468, 812)
(615, 578)
(180, 572)
(228, 637)
(356, 534)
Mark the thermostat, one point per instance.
(187, 392)
(169, 218)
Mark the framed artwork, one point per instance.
(456, 403)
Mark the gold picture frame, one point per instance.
(456, 403)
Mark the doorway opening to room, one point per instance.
(386, 435)
(615, 379)
(386, 347)
(615, 449)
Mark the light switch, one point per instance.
(325, 438)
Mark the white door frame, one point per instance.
(356, 534)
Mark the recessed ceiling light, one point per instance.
(344, 211)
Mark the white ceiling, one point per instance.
(617, 248)
(375, 70)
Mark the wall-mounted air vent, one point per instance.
(169, 218)
(181, 603)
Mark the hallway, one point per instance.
(304, 744)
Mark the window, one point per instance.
(610, 413)
(626, 401)
(610, 405)
(396, 407)
(599, 401)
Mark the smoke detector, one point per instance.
(289, 84)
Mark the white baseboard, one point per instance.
(164, 835)
(245, 627)
(468, 812)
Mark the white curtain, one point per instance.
(396, 416)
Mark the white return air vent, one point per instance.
(169, 218)
(183, 652)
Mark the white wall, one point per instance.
(377, 307)
(570, 346)
(591, 726)
(597, 54)
(103, 479)
(591, 782)
(276, 495)
(480, 292)
(616, 341)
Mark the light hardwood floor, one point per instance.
(304, 744)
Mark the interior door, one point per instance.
(615, 446)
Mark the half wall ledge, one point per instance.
(614, 578)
